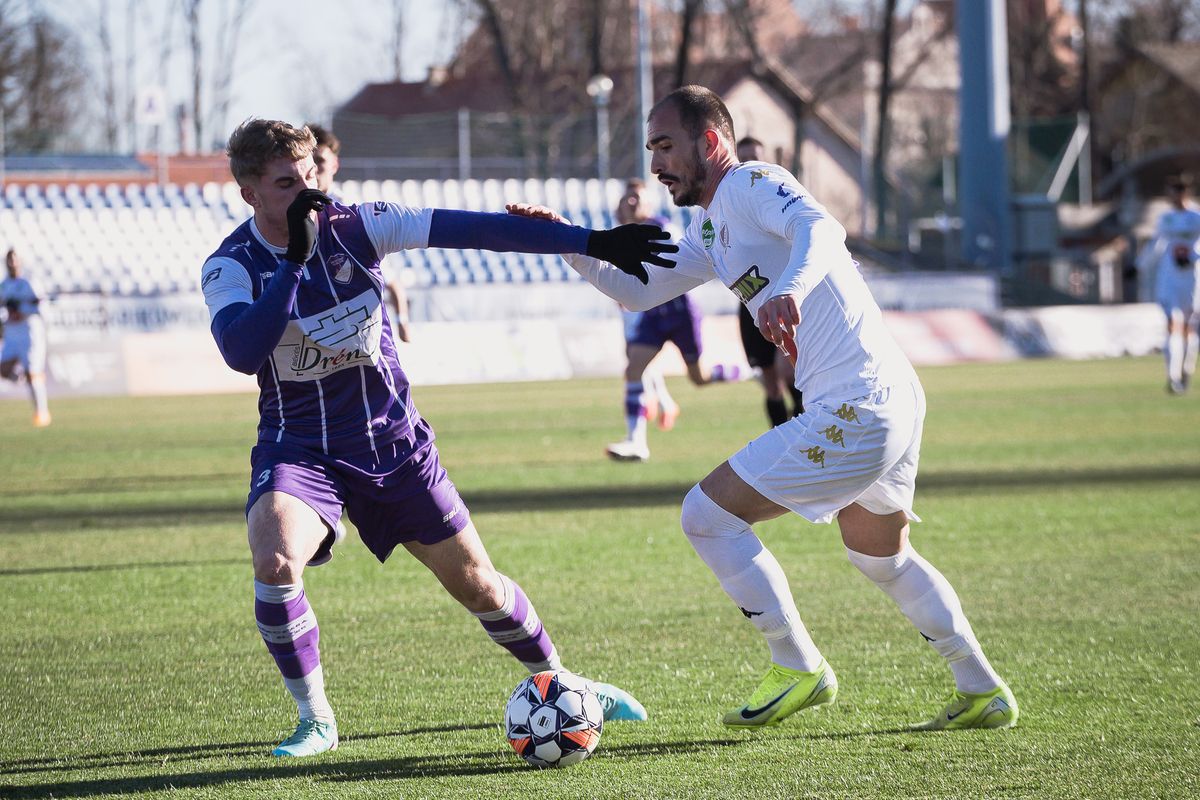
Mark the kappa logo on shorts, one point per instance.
(263, 477)
(816, 455)
(846, 413)
(834, 434)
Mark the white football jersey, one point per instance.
(1175, 283)
(763, 235)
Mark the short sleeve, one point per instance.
(392, 228)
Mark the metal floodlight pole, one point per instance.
(464, 144)
(599, 88)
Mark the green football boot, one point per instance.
(311, 737)
(782, 693)
(994, 709)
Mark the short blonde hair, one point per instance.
(256, 142)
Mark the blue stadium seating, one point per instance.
(144, 240)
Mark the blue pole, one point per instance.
(983, 134)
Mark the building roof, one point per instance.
(1180, 59)
(487, 93)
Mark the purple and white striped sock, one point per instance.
(289, 628)
(515, 627)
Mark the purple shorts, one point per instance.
(677, 321)
(399, 495)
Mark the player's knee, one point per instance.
(274, 567)
(701, 517)
(478, 589)
(880, 569)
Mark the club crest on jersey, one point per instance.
(758, 174)
(708, 234)
(750, 284)
(343, 270)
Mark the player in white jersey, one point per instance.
(1174, 253)
(23, 353)
(851, 455)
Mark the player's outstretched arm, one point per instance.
(637, 292)
(246, 333)
(627, 246)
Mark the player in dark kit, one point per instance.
(295, 296)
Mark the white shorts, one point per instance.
(861, 451)
(25, 341)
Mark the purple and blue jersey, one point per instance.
(333, 383)
(317, 335)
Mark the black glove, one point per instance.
(1183, 255)
(302, 229)
(628, 247)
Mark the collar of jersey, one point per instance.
(263, 240)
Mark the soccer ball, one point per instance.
(553, 719)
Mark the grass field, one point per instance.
(1060, 498)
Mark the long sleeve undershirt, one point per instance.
(246, 333)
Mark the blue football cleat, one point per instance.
(311, 737)
(617, 703)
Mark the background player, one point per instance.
(650, 397)
(327, 158)
(774, 370)
(23, 353)
(678, 321)
(851, 455)
(295, 297)
(1172, 253)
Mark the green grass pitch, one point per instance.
(1062, 499)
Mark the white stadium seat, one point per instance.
(146, 239)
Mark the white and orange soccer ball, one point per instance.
(553, 719)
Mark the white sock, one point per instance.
(752, 578)
(1189, 357)
(656, 385)
(1173, 353)
(930, 603)
(37, 392)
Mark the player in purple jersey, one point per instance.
(646, 332)
(327, 158)
(295, 296)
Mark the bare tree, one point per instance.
(42, 82)
(397, 40)
(883, 126)
(229, 28)
(687, 24)
(191, 17)
(108, 84)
